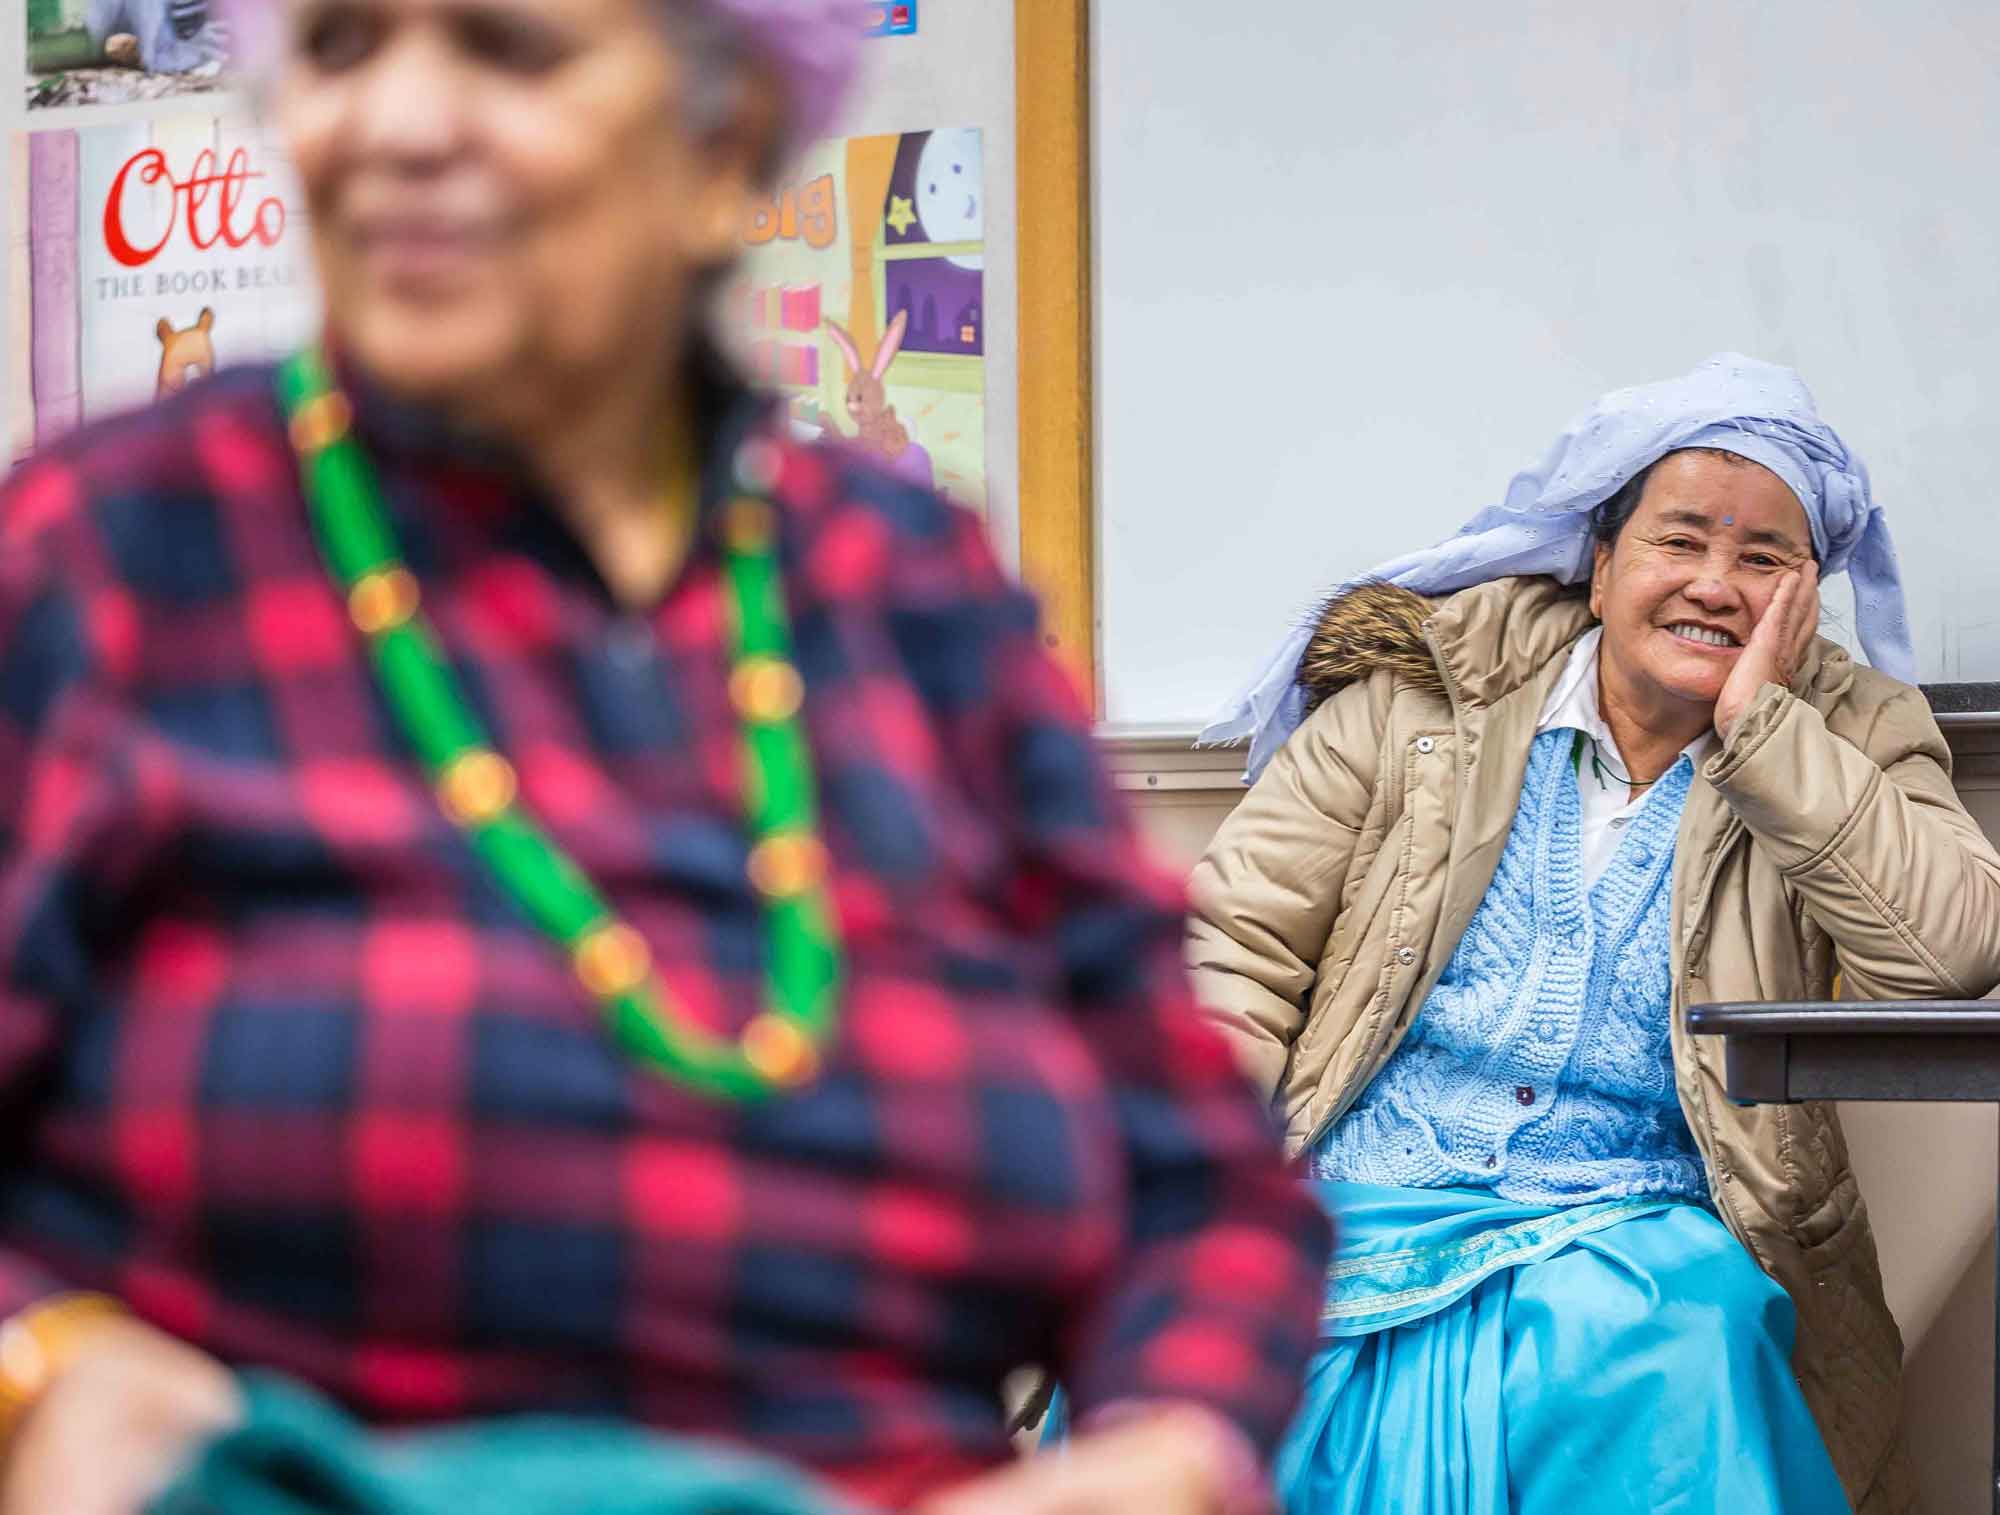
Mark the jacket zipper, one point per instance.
(1387, 1030)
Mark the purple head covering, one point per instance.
(812, 47)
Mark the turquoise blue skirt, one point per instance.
(1481, 1357)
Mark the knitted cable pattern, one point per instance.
(1541, 1067)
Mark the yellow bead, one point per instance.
(477, 788)
(613, 960)
(748, 525)
(321, 421)
(766, 690)
(779, 1052)
(784, 867)
(382, 601)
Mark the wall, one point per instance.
(1927, 1171)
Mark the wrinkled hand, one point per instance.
(116, 1425)
(1777, 647)
(1165, 1464)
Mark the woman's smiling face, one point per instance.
(1691, 574)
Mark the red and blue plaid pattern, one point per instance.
(284, 1070)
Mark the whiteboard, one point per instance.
(1357, 265)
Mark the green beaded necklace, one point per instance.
(477, 789)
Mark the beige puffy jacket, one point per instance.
(1824, 839)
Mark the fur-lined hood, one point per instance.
(1371, 627)
(1494, 637)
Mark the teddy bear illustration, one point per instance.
(185, 355)
(876, 426)
(159, 36)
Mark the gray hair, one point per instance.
(719, 71)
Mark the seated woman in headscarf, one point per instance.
(1523, 796)
(524, 889)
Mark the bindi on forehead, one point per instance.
(1703, 520)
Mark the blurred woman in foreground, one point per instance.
(521, 890)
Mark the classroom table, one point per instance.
(1905, 1050)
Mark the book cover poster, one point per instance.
(113, 52)
(146, 255)
(862, 301)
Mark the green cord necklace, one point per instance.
(477, 790)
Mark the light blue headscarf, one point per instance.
(1757, 410)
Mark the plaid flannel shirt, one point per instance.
(283, 1070)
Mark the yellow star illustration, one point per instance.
(902, 214)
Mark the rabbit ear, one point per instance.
(207, 321)
(164, 331)
(892, 343)
(846, 345)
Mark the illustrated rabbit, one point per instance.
(868, 407)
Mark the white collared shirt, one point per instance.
(1603, 784)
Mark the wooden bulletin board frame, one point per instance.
(1057, 415)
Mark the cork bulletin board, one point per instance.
(152, 232)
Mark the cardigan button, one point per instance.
(1426, 745)
(1524, 1095)
(1406, 956)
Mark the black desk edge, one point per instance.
(1952, 1017)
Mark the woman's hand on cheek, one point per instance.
(1162, 1464)
(1777, 647)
